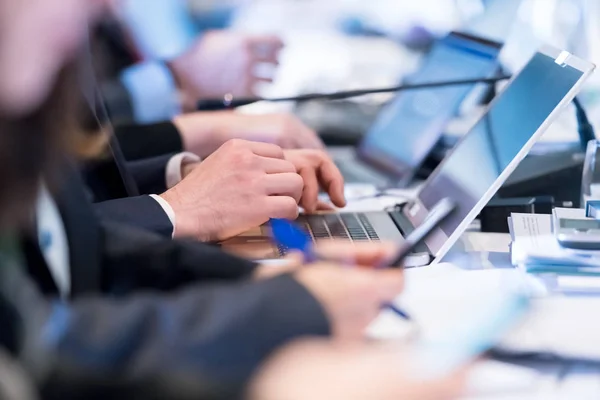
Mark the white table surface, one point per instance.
(478, 251)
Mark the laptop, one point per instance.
(408, 128)
(470, 175)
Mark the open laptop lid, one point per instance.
(483, 160)
(409, 127)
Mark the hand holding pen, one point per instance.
(287, 235)
(372, 256)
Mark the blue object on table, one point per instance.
(289, 236)
(592, 209)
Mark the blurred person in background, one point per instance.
(162, 62)
(161, 189)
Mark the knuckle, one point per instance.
(316, 155)
(297, 181)
(236, 144)
(287, 208)
(291, 208)
(276, 150)
(244, 158)
(244, 179)
(290, 167)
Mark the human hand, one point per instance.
(205, 132)
(224, 62)
(347, 253)
(241, 186)
(317, 170)
(326, 370)
(351, 297)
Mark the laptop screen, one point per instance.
(470, 171)
(411, 125)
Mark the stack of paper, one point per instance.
(535, 249)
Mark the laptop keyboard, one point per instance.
(348, 226)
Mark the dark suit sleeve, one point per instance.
(118, 102)
(219, 332)
(145, 141)
(150, 174)
(142, 212)
(135, 260)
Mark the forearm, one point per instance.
(206, 331)
(150, 174)
(141, 212)
(141, 260)
(144, 141)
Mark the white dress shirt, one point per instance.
(53, 242)
(173, 177)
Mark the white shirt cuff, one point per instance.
(167, 209)
(175, 165)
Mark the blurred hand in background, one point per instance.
(224, 62)
(204, 132)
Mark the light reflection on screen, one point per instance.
(477, 162)
(407, 129)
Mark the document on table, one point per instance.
(530, 227)
(536, 249)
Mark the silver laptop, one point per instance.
(409, 127)
(471, 174)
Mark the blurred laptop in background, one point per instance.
(409, 127)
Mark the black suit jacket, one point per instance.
(138, 154)
(113, 54)
(134, 166)
(119, 190)
(142, 306)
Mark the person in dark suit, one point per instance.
(98, 310)
(268, 182)
(117, 300)
(150, 163)
(161, 62)
(193, 133)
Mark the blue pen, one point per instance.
(289, 236)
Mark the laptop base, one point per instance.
(377, 226)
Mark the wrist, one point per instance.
(202, 133)
(187, 168)
(184, 228)
(193, 221)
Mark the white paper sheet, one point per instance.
(567, 326)
(534, 242)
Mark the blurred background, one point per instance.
(347, 44)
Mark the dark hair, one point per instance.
(31, 147)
